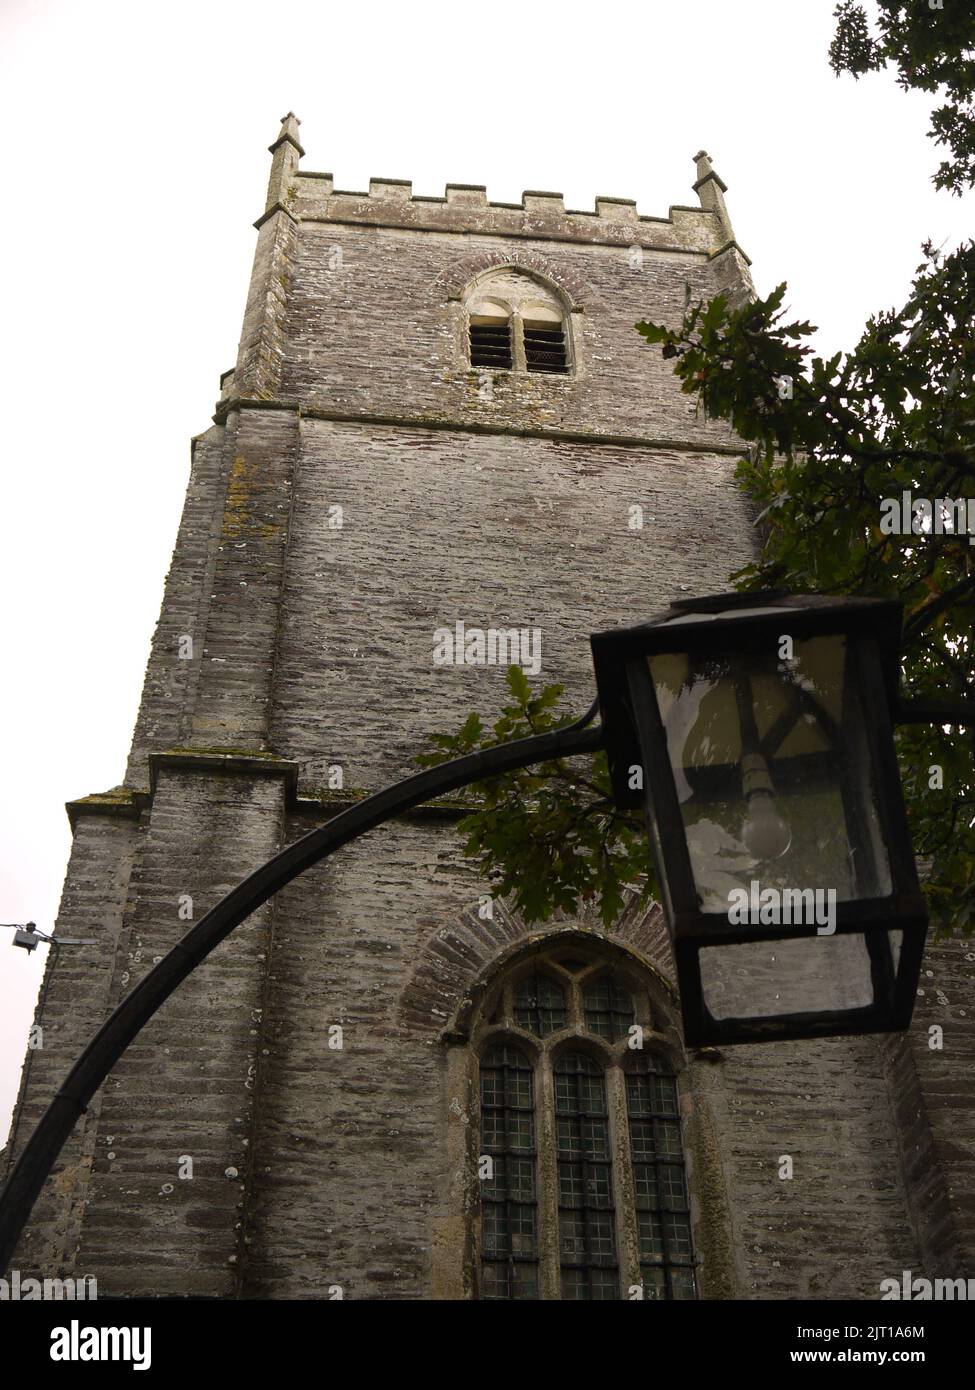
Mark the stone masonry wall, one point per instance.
(372, 329)
(169, 690)
(489, 530)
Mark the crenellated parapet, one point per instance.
(308, 196)
(539, 215)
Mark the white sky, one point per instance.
(134, 149)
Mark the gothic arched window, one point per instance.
(582, 1190)
(514, 322)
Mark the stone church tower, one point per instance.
(440, 413)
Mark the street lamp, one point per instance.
(755, 732)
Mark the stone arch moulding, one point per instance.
(456, 278)
(459, 962)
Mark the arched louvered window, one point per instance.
(564, 1044)
(514, 322)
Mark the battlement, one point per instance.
(465, 208)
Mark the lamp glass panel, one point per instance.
(802, 975)
(802, 724)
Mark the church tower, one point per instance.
(380, 1087)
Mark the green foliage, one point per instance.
(548, 835)
(933, 51)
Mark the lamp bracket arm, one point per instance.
(924, 711)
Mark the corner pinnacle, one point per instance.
(710, 189)
(289, 132)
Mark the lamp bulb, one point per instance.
(765, 833)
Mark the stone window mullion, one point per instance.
(549, 1274)
(577, 1017)
(626, 1229)
(518, 341)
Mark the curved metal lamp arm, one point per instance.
(935, 712)
(115, 1034)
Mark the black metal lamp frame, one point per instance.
(635, 736)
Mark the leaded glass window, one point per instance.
(540, 1005)
(587, 1237)
(509, 1207)
(552, 1221)
(609, 1009)
(662, 1207)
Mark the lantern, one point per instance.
(755, 731)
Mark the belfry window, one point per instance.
(514, 322)
(565, 1044)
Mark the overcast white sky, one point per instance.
(134, 149)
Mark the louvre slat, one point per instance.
(490, 345)
(545, 350)
(539, 361)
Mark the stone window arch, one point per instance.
(516, 321)
(581, 1191)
